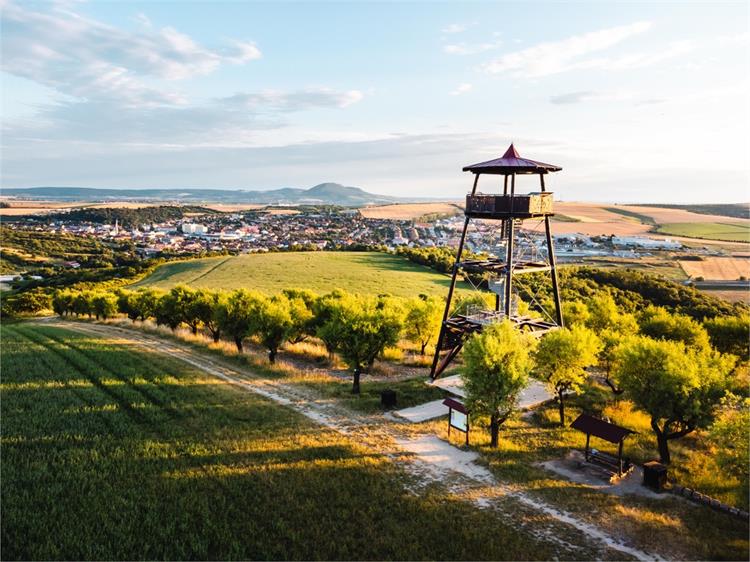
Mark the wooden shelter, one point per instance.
(607, 431)
(510, 209)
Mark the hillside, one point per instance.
(324, 193)
(357, 272)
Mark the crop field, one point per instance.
(726, 231)
(154, 460)
(356, 272)
(405, 211)
(717, 269)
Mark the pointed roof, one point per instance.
(511, 163)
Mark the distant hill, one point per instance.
(324, 193)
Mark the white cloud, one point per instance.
(461, 89)
(559, 56)
(296, 101)
(471, 49)
(587, 96)
(88, 59)
(456, 28)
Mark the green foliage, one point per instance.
(730, 334)
(364, 327)
(730, 434)
(234, 316)
(604, 314)
(659, 324)
(497, 365)
(561, 357)
(575, 313)
(104, 305)
(29, 302)
(126, 217)
(678, 386)
(423, 319)
(271, 320)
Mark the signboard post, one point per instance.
(458, 417)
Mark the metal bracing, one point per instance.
(518, 259)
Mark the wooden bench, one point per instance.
(610, 462)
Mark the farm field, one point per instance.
(405, 211)
(727, 231)
(717, 269)
(153, 459)
(356, 272)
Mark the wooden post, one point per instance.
(552, 265)
(588, 438)
(619, 460)
(452, 287)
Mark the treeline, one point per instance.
(28, 246)
(632, 290)
(125, 217)
(734, 210)
(358, 328)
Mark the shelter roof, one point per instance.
(600, 428)
(511, 163)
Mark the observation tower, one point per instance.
(518, 254)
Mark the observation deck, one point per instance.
(503, 207)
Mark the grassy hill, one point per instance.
(357, 272)
(116, 454)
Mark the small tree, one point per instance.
(605, 315)
(497, 365)
(301, 306)
(659, 324)
(562, 356)
(62, 302)
(730, 435)
(422, 322)
(366, 327)
(144, 302)
(104, 305)
(167, 311)
(575, 313)
(326, 310)
(234, 315)
(678, 386)
(730, 334)
(271, 321)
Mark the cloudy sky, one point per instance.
(645, 102)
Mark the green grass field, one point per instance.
(727, 232)
(110, 453)
(357, 272)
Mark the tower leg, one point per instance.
(509, 268)
(438, 346)
(553, 273)
(510, 230)
(552, 265)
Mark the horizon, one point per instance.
(404, 200)
(635, 102)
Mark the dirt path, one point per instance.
(426, 459)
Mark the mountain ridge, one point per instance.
(327, 193)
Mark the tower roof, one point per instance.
(511, 163)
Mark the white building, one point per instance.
(194, 228)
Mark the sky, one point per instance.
(636, 101)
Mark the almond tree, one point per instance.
(680, 387)
(562, 356)
(497, 366)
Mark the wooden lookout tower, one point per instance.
(509, 210)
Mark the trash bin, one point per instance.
(388, 398)
(655, 475)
